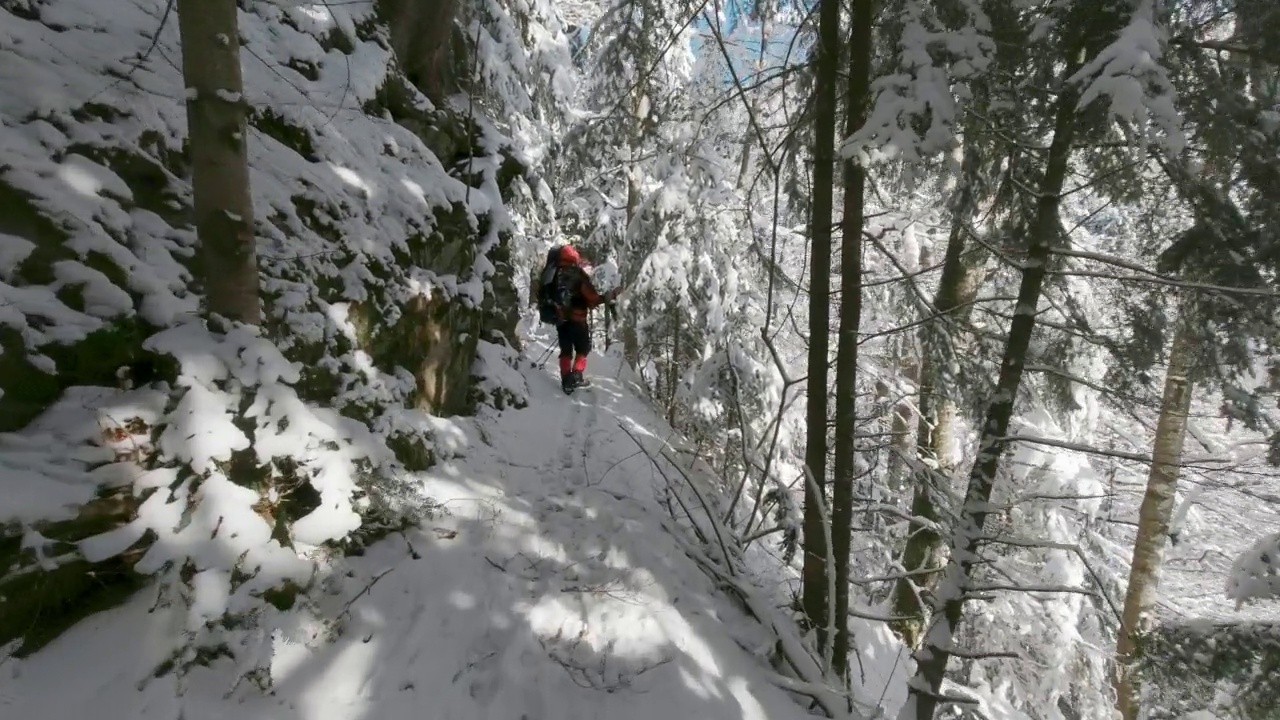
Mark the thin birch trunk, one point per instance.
(1154, 516)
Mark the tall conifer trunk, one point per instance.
(814, 577)
(858, 94)
(217, 123)
(926, 686)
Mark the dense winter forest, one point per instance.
(936, 372)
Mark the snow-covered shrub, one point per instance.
(1255, 574)
(1229, 669)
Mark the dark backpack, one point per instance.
(555, 289)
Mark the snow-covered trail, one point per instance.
(547, 589)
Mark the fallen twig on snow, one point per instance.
(715, 525)
(346, 609)
(809, 673)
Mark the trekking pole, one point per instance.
(541, 362)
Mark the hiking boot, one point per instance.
(566, 382)
(580, 380)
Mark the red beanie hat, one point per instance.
(569, 255)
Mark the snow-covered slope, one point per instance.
(387, 229)
(552, 583)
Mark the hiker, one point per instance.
(564, 297)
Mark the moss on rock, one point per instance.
(150, 182)
(28, 390)
(412, 451)
(276, 126)
(435, 337)
(446, 134)
(97, 359)
(20, 216)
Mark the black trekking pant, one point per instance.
(575, 339)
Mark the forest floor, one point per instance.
(549, 585)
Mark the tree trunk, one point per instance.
(926, 686)
(814, 575)
(1154, 515)
(216, 119)
(901, 439)
(936, 428)
(630, 336)
(749, 139)
(608, 326)
(673, 368)
(845, 471)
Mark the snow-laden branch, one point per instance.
(797, 656)
(1150, 276)
(810, 679)
(933, 63)
(1205, 463)
(1004, 587)
(1129, 73)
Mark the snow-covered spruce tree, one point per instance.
(1043, 505)
(384, 261)
(635, 64)
(677, 223)
(1048, 530)
(755, 394)
(981, 215)
(1078, 32)
(1105, 158)
(957, 352)
(1228, 260)
(996, 155)
(910, 123)
(699, 349)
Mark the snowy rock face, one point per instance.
(386, 264)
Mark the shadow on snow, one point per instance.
(547, 588)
